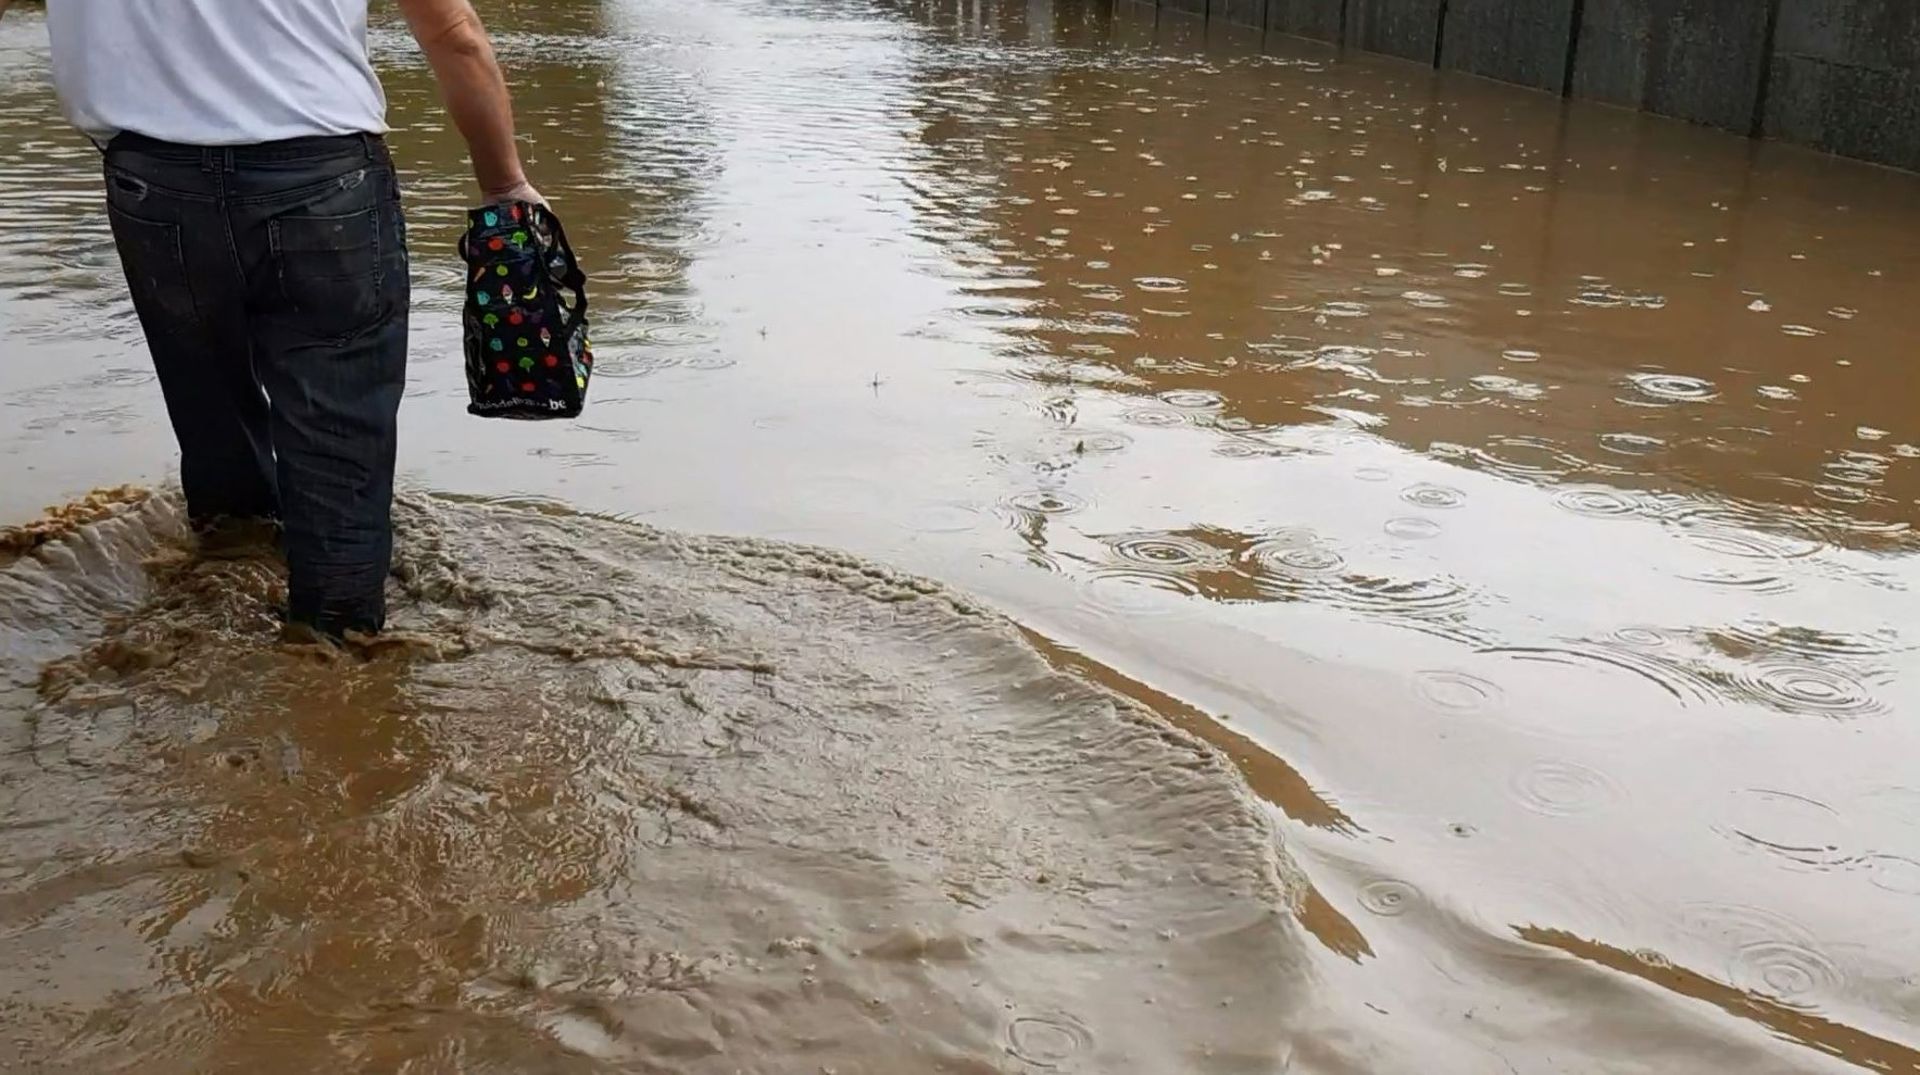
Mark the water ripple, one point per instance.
(1563, 788)
(1389, 898)
(1673, 387)
(1766, 953)
(1425, 495)
(1821, 690)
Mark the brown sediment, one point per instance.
(1808, 1028)
(639, 802)
(18, 541)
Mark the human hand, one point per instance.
(520, 192)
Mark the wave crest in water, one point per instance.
(605, 798)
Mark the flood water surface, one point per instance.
(1518, 495)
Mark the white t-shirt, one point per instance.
(215, 72)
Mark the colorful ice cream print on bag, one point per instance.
(528, 354)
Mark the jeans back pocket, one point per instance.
(156, 269)
(330, 270)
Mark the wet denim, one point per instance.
(271, 282)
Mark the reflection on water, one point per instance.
(1535, 479)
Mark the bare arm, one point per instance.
(475, 92)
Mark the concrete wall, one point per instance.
(1322, 20)
(1525, 42)
(1846, 78)
(1409, 29)
(1838, 75)
(1239, 12)
(1698, 60)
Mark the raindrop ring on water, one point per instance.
(1456, 690)
(1768, 954)
(1096, 442)
(1291, 552)
(1244, 448)
(1138, 591)
(1389, 898)
(1162, 550)
(1788, 972)
(1674, 387)
(1631, 443)
(1199, 399)
(1412, 528)
(1160, 283)
(1045, 502)
(1154, 417)
(1641, 637)
(1047, 1041)
(1894, 873)
(1596, 502)
(1792, 828)
(1563, 789)
(1308, 558)
(1813, 690)
(1427, 495)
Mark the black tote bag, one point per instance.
(525, 321)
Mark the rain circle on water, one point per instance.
(1045, 502)
(1596, 501)
(1824, 690)
(1389, 898)
(1160, 283)
(1163, 550)
(1563, 789)
(1793, 974)
(1427, 495)
(1673, 387)
(1047, 1041)
(1412, 528)
(1894, 873)
(1455, 690)
(1200, 399)
(1154, 417)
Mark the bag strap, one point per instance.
(575, 279)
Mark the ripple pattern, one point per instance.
(1155, 417)
(1412, 528)
(1389, 898)
(1794, 829)
(1767, 953)
(1130, 592)
(1439, 497)
(1458, 691)
(1673, 387)
(1806, 689)
(1894, 873)
(1563, 788)
(1596, 501)
(1287, 553)
(1045, 502)
(1164, 550)
(1048, 1041)
(1199, 399)
(1796, 975)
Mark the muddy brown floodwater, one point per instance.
(1517, 496)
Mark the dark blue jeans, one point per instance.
(271, 281)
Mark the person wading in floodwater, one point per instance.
(257, 214)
